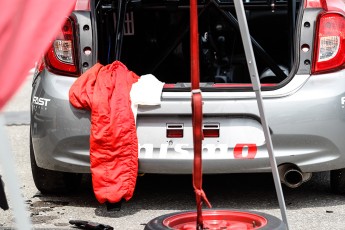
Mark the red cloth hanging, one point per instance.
(105, 90)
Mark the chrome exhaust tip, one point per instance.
(292, 176)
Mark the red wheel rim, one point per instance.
(217, 219)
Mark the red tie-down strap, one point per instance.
(196, 114)
(197, 167)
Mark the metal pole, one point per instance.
(11, 181)
(254, 76)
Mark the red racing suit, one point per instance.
(105, 90)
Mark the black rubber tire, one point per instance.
(273, 223)
(337, 179)
(53, 182)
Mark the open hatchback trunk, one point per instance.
(152, 36)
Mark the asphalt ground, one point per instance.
(309, 207)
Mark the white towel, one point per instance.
(147, 91)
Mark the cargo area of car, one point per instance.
(152, 36)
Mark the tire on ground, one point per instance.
(53, 182)
(337, 179)
(273, 223)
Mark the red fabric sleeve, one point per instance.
(82, 90)
(113, 139)
(114, 143)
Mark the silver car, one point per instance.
(299, 48)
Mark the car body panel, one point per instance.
(306, 119)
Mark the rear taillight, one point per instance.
(61, 54)
(329, 43)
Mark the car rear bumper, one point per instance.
(307, 123)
